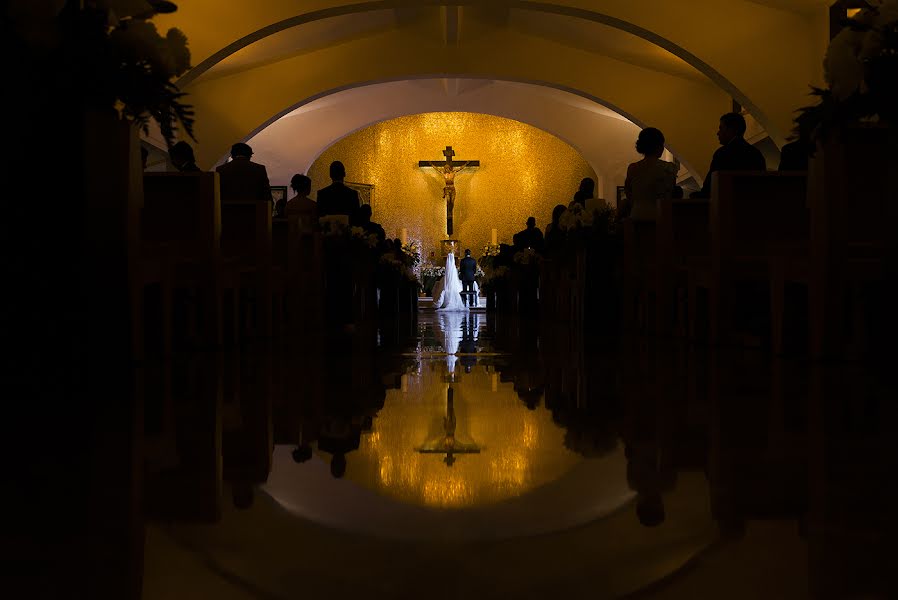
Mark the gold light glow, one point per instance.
(524, 172)
(521, 449)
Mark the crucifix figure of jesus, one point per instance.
(448, 170)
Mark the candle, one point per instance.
(403, 236)
(494, 239)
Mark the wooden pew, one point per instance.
(683, 242)
(184, 472)
(247, 428)
(853, 203)
(180, 230)
(246, 254)
(280, 262)
(641, 275)
(305, 274)
(754, 218)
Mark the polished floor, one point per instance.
(476, 456)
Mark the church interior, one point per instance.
(463, 299)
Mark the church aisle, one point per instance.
(479, 456)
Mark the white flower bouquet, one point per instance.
(861, 69)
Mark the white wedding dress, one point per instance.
(449, 287)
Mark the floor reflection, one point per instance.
(454, 432)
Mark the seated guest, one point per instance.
(531, 237)
(362, 218)
(794, 156)
(586, 191)
(649, 179)
(300, 205)
(181, 156)
(735, 154)
(337, 198)
(554, 235)
(243, 180)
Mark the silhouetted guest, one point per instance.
(587, 191)
(144, 155)
(337, 198)
(468, 344)
(677, 192)
(362, 218)
(181, 156)
(735, 154)
(338, 465)
(302, 453)
(243, 180)
(467, 272)
(650, 509)
(649, 179)
(300, 205)
(242, 494)
(554, 234)
(794, 156)
(531, 237)
(338, 437)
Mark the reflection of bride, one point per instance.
(447, 291)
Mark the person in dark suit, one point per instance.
(735, 154)
(243, 180)
(337, 198)
(532, 237)
(794, 156)
(181, 156)
(467, 268)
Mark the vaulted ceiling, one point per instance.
(676, 66)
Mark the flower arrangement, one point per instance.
(433, 271)
(334, 225)
(575, 217)
(527, 256)
(494, 274)
(359, 235)
(123, 63)
(861, 69)
(412, 252)
(490, 250)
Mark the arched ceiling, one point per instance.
(672, 65)
(602, 136)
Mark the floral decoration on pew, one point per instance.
(527, 257)
(861, 70)
(122, 62)
(334, 226)
(362, 237)
(492, 275)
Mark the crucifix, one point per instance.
(447, 443)
(448, 169)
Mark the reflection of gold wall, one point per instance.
(524, 171)
(521, 449)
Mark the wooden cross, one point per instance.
(448, 168)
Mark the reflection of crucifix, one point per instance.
(448, 169)
(447, 443)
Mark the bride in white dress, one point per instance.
(449, 289)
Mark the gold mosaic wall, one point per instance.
(523, 172)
